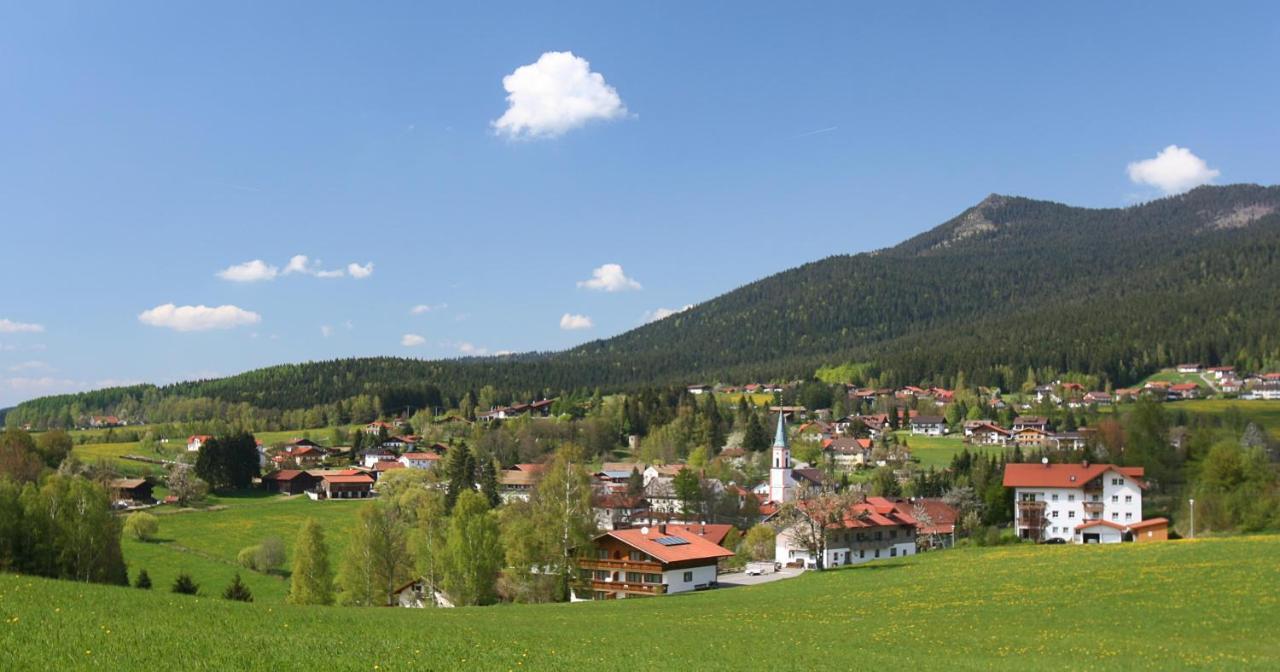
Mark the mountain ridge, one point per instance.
(1008, 284)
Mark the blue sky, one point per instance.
(147, 146)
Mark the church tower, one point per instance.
(781, 484)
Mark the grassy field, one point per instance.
(204, 543)
(1265, 413)
(1204, 604)
(937, 451)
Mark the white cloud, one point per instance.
(1174, 170)
(472, 350)
(609, 278)
(360, 272)
(424, 308)
(250, 271)
(412, 340)
(570, 322)
(298, 263)
(11, 327)
(661, 313)
(326, 330)
(29, 366)
(558, 93)
(197, 318)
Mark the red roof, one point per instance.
(1150, 522)
(354, 478)
(201, 437)
(420, 456)
(714, 533)
(387, 465)
(1094, 523)
(1183, 387)
(645, 539)
(1060, 475)
(283, 475)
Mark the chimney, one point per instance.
(662, 528)
(1084, 463)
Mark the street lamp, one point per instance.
(1193, 517)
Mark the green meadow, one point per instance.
(1203, 604)
(937, 451)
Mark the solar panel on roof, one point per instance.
(671, 541)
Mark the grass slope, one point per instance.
(1208, 604)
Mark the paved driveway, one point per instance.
(741, 579)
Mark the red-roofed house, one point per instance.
(648, 561)
(346, 486)
(420, 460)
(1081, 503)
(289, 481)
(197, 441)
(872, 529)
(1184, 391)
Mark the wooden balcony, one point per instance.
(635, 588)
(1094, 509)
(620, 565)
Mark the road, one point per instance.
(741, 579)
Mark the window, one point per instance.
(893, 552)
(688, 577)
(602, 554)
(602, 575)
(1115, 499)
(1128, 499)
(1128, 516)
(1115, 515)
(633, 577)
(879, 535)
(862, 554)
(1054, 513)
(653, 578)
(1071, 514)
(1055, 496)
(893, 534)
(637, 556)
(1071, 498)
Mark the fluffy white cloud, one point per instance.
(556, 94)
(250, 271)
(412, 340)
(198, 318)
(661, 313)
(298, 263)
(1174, 170)
(11, 327)
(326, 330)
(359, 272)
(472, 350)
(609, 278)
(424, 308)
(570, 322)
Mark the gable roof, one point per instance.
(352, 478)
(284, 475)
(1018, 475)
(420, 456)
(645, 539)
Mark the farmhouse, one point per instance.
(1030, 422)
(618, 511)
(136, 490)
(346, 484)
(869, 530)
(197, 441)
(849, 452)
(289, 481)
(1081, 503)
(517, 483)
(376, 455)
(648, 561)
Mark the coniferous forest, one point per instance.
(1009, 285)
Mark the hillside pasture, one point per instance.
(1203, 604)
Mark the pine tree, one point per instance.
(237, 591)
(312, 580)
(462, 474)
(489, 483)
(143, 581)
(184, 585)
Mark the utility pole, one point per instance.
(1193, 518)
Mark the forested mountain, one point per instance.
(1007, 285)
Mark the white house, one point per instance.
(419, 460)
(874, 529)
(1079, 503)
(197, 441)
(929, 425)
(377, 455)
(1268, 391)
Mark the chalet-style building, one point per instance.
(872, 529)
(1080, 503)
(848, 452)
(376, 455)
(989, 434)
(519, 482)
(1097, 398)
(616, 511)
(135, 490)
(1030, 422)
(196, 441)
(646, 561)
(929, 425)
(289, 481)
(377, 427)
(1184, 391)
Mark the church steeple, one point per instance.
(781, 484)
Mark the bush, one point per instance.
(143, 581)
(270, 554)
(248, 557)
(184, 585)
(237, 591)
(141, 525)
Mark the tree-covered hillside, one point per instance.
(1009, 284)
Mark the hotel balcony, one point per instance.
(620, 565)
(624, 587)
